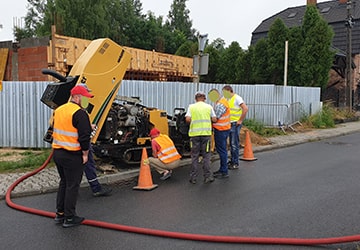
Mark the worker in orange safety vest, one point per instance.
(221, 130)
(165, 155)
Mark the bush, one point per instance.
(329, 116)
(324, 118)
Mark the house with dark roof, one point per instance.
(335, 12)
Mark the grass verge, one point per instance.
(22, 160)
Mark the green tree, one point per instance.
(130, 21)
(315, 56)
(244, 67)
(115, 19)
(130, 27)
(120, 20)
(218, 44)
(178, 18)
(85, 19)
(259, 62)
(296, 41)
(152, 37)
(153, 34)
(229, 57)
(309, 56)
(174, 39)
(276, 50)
(178, 27)
(34, 20)
(187, 49)
(215, 50)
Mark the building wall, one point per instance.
(26, 63)
(335, 91)
(30, 62)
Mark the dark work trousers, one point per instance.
(220, 137)
(90, 173)
(235, 142)
(70, 168)
(200, 145)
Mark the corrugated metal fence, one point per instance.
(24, 118)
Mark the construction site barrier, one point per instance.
(277, 115)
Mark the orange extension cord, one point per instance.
(178, 235)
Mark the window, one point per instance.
(291, 15)
(325, 10)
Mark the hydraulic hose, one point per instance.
(22, 178)
(178, 235)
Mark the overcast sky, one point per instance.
(231, 20)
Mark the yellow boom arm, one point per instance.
(101, 67)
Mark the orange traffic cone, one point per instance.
(145, 180)
(248, 153)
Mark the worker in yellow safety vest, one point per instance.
(165, 156)
(200, 115)
(221, 131)
(238, 111)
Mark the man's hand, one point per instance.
(85, 159)
(85, 156)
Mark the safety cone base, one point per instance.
(248, 159)
(146, 188)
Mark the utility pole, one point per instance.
(286, 62)
(200, 63)
(349, 24)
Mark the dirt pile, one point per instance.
(256, 140)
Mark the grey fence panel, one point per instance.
(267, 103)
(267, 113)
(24, 118)
(308, 97)
(161, 95)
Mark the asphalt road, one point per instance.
(305, 191)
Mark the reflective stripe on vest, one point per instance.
(235, 112)
(223, 123)
(168, 152)
(65, 135)
(200, 119)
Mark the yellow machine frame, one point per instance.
(102, 62)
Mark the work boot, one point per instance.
(217, 173)
(166, 176)
(73, 221)
(192, 181)
(221, 175)
(208, 179)
(104, 191)
(59, 218)
(233, 167)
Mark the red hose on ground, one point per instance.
(178, 235)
